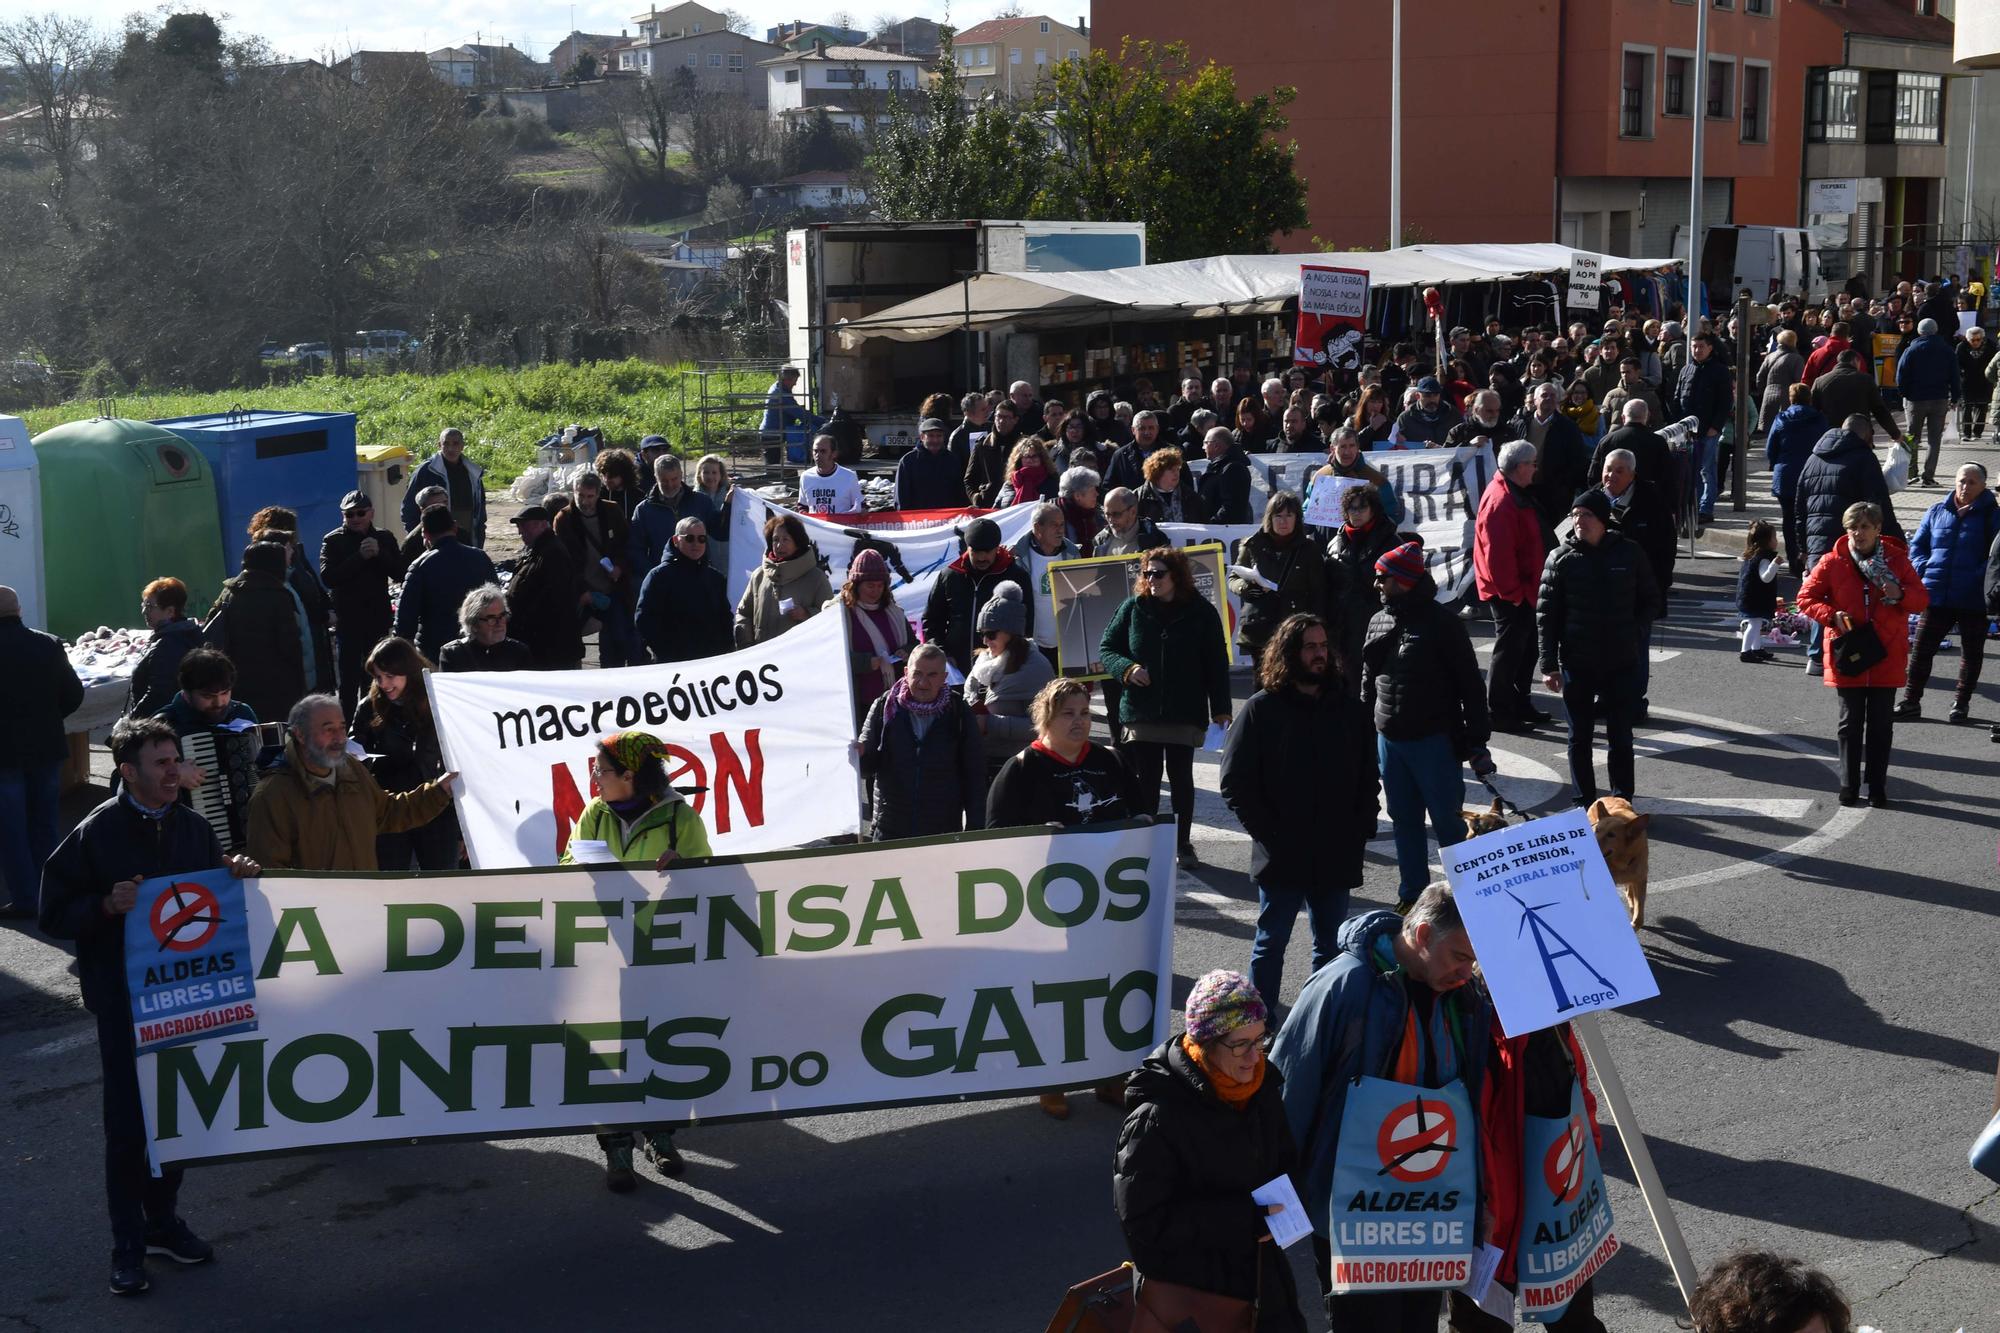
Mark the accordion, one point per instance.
(229, 758)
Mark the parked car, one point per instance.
(380, 344)
(312, 356)
(273, 354)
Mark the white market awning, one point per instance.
(1198, 288)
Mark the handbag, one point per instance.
(1169, 1307)
(1856, 651)
(1102, 1304)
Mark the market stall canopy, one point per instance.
(1199, 288)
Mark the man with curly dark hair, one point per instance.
(1755, 1291)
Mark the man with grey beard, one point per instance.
(319, 808)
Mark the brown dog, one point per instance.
(1489, 820)
(1621, 836)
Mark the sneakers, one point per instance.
(128, 1275)
(618, 1177)
(1959, 712)
(1909, 708)
(176, 1242)
(666, 1158)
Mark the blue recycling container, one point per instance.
(302, 460)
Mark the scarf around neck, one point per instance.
(898, 698)
(1235, 1094)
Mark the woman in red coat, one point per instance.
(1866, 579)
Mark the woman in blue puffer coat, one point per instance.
(1794, 432)
(1949, 552)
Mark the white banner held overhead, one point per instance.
(1440, 490)
(540, 1002)
(921, 552)
(764, 730)
(1586, 281)
(1554, 938)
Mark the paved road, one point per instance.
(1820, 1056)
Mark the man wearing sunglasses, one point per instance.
(683, 604)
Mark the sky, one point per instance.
(298, 31)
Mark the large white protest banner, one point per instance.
(1439, 488)
(478, 1005)
(1553, 936)
(916, 555)
(764, 731)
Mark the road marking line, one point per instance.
(1725, 807)
(1207, 901)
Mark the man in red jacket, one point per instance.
(1822, 357)
(1507, 558)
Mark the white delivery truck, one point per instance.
(845, 270)
(1770, 261)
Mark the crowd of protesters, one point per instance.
(1369, 693)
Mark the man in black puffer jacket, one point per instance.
(966, 585)
(922, 754)
(1422, 681)
(1843, 469)
(1597, 594)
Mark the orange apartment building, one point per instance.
(1572, 120)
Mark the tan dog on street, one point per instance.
(1621, 836)
(1489, 820)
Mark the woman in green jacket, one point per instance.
(635, 816)
(1166, 648)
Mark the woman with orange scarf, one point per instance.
(1204, 1126)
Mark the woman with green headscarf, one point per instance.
(635, 816)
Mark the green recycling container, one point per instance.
(124, 503)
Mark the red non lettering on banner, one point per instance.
(728, 777)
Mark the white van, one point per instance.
(1770, 261)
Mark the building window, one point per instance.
(1720, 101)
(715, 60)
(1833, 106)
(1045, 25)
(834, 192)
(1755, 80)
(965, 59)
(693, 61)
(736, 62)
(1762, 7)
(1041, 56)
(791, 76)
(1680, 71)
(1919, 108)
(895, 77)
(1074, 53)
(1635, 96)
(985, 55)
(697, 27)
(1013, 55)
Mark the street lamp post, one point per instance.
(1395, 123)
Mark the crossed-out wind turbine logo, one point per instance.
(184, 917)
(1562, 1165)
(1416, 1140)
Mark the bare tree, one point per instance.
(735, 20)
(60, 63)
(728, 139)
(640, 117)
